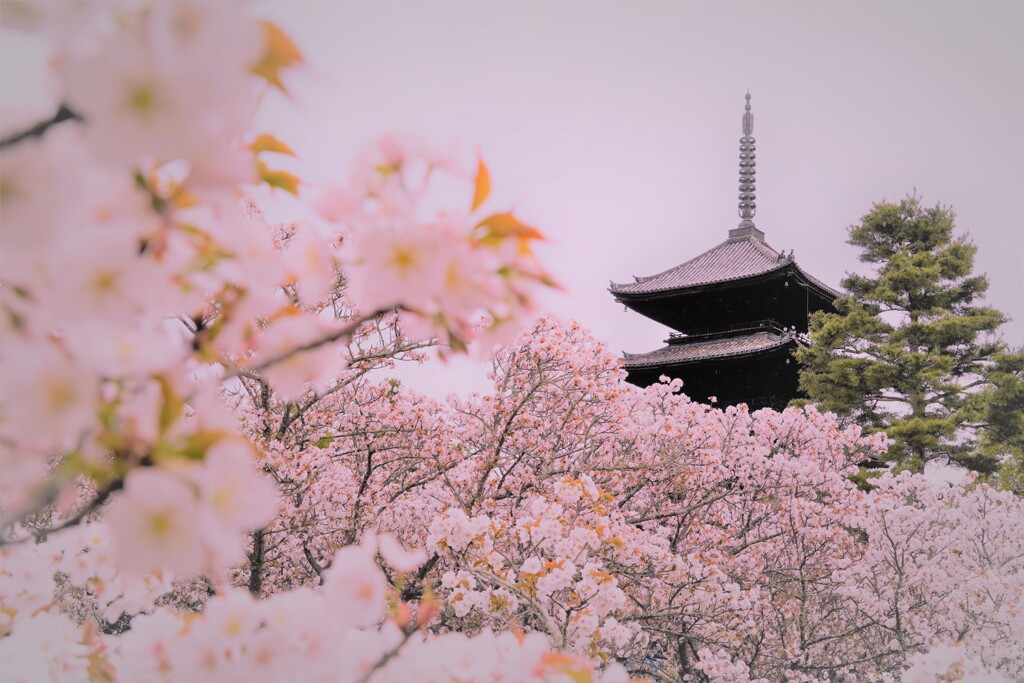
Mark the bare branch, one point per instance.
(37, 131)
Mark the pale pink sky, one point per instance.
(613, 127)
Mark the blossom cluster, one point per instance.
(543, 567)
(121, 286)
(349, 629)
(446, 267)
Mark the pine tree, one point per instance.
(1002, 406)
(910, 345)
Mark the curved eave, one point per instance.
(637, 361)
(621, 294)
(820, 288)
(823, 289)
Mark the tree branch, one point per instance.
(340, 333)
(99, 499)
(38, 130)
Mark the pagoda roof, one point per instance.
(684, 350)
(738, 258)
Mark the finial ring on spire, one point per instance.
(748, 118)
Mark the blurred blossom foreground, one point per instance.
(204, 481)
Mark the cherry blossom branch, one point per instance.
(341, 333)
(554, 631)
(97, 501)
(256, 557)
(494, 459)
(708, 500)
(413, 590)
(313, 563)
(388, 656)
(37, 131)
(291, 417)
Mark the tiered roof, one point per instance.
(696, 349)
(737, 258)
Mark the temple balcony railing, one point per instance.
(767, 325)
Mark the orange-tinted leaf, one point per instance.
(279, 53)
(499, 226)
(286, 311)
(483, 185)
(403, 615)
(183, 199)
(268, 143)
(574, 668)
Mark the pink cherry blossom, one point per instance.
(402, 265)
(398, 558)
(355, 584)
(47, 399)
(154, 523)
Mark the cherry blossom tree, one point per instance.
(694, 543)
(640, 527)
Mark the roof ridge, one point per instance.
(638, 280)
(763, 246)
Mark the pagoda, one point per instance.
(738, 311)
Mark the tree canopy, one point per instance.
(910, 345)
(1003, 406)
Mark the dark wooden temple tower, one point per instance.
(738, 310)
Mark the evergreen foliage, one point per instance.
(909, 349)
(1003, 406)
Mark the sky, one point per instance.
(614, 126)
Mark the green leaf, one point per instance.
(280, 179)
(172, 406)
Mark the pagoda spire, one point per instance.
(747, 207)
(747, 168)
